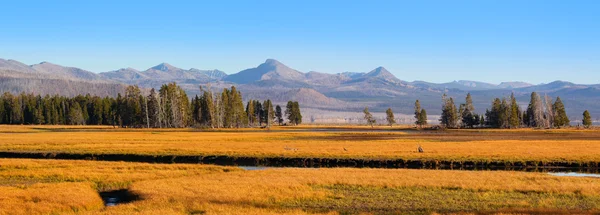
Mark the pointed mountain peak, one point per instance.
(271, 69)
(380, 72)
(272, 61)
(164, 67)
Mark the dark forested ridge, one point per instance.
(168, 107)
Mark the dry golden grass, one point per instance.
(487, 144)
(49, 198)
(56, 186)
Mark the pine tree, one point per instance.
(269, 113)
(279, 115)
(514, 118)
(560, 115)
(297, 113)
(288, 112)
(587, 119)
(208, 109)
(504, 115)
(423, 118)
(450, 115)
(390, 117)
(417, 112)
(240, 118)
(250, 112)
(2, 110)
(369, 117)
(467, 112)
(259, 112)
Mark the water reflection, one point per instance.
(574, 174)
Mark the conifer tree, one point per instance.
(587, 119)
(449, 116)
(514, 118)
(297, 113)
(279, 115)
(423, 118)
(467, 112)
(208, 109)
(269, 113)
(417, 112)
(289, 112)
(250, 112)
(560, 115)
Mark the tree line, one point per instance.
(506, 113)
(168, 107)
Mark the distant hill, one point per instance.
(270, 70)
(347, 92)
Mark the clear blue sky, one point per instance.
(438, 41)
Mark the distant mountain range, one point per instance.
(320, 92)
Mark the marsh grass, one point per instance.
(353, 199)
(60, 186)
(454, 145)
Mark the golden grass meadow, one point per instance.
(359, 142)
(46, 186)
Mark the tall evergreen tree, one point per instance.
(154, 113)
(514, 118)
(2, 111)
(240, 119)
(560, 115)
(417, 112)
(269, 113)
(587, 119)
(423, 118)
(208, 108)
(250, 112)
(259, 113)
(390, 117)
(279, 115)
(449, 116)
(289, 113)
(297, 113)
(504, 115)
(467, 112)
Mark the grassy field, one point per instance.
(55, 186)
(359, 142)
(68, 186)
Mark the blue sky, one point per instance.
(437, 41)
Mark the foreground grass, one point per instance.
(55, 186)
(473, 145)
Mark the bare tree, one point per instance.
(549, 115)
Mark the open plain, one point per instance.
(47, 186)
